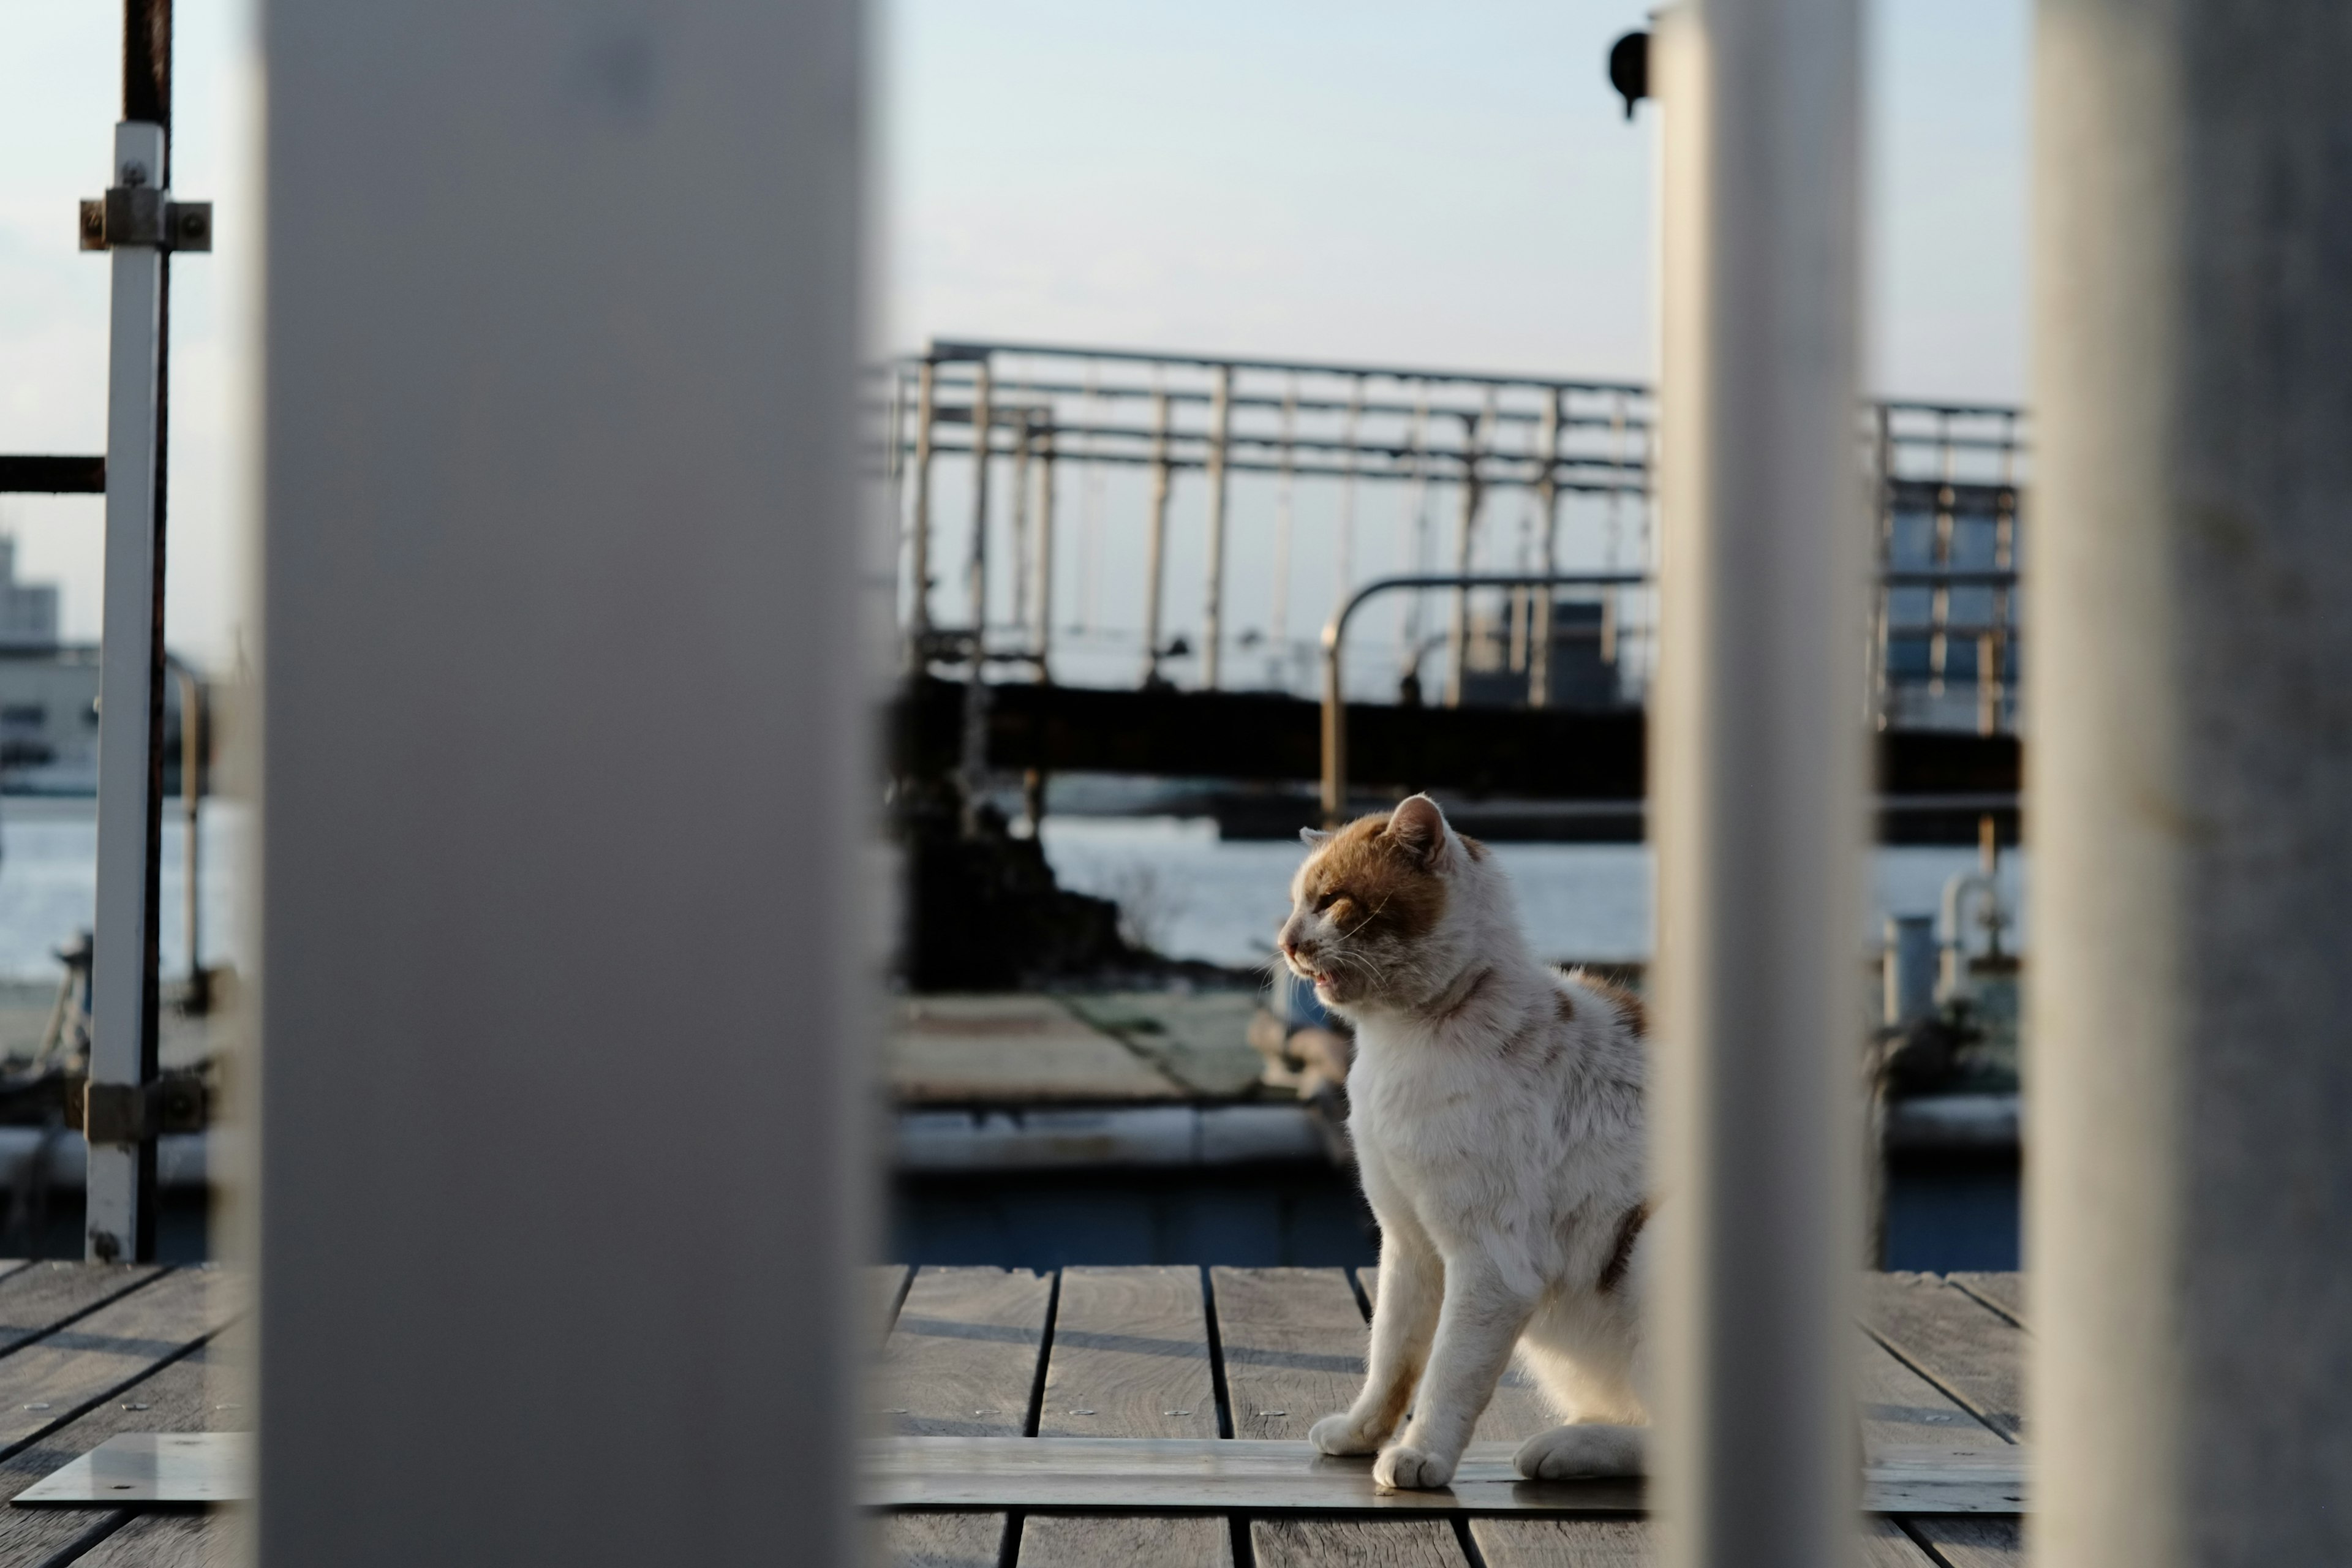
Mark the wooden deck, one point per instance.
(90, 1350)
(1179, 1353)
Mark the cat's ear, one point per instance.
(1313, 837)
(1418, 827)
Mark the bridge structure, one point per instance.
(1113, 559)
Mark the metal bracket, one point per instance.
(136, 1112)
(141, 215)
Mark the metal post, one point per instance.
(1466, 533)
(1017, 514)
(2190, 1182)
(120, 1212)
(462, 980)
(1278, 622)
(971, 771)
(1539, 653)
(1044, 536)
(919, 549)
(1213, 614)
(1155, 561)
(1756, 773)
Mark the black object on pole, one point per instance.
(147, 96)
(52, 475)
(1629, 68)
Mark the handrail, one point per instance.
(1334, 707)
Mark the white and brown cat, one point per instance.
(1497, 1110)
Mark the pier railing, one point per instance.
(1117, 478)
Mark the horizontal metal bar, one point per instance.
(1312, 470)
(52, 475)
(943, 348)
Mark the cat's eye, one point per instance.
(1327, 899)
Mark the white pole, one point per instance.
(545, 452)
(1757, 773)
(2189, 1180)
(1213, 614)
(119, 967)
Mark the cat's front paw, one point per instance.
(1342, 1433)
(1580, 1453)
(1410, 1470)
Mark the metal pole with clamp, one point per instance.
(140, 224)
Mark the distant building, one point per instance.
(49, 694)
(28, 611)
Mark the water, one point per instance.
(48, 881)
(1191, 895)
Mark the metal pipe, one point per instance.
(1494, 481)
(1335, 635)
(2189, 1183)
(1017, 517)
(1548, 500)
(1756, 769)
(120, 1214)
(1212, 613)
(1155, 562)
(919, 551)
(1465, 544)
(1044, 535)
(1278, 620)
(972, 764)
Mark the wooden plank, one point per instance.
(185, 1396)
(1562, 1543)
(1292, 1343)
(173, 1539)
(2004, 1293)
(1963, 1346)
(1884, 1545)
(1126, 1540)
(1355, 1542)
(943, 1540)
(1130, 1359)
(1518, 1410)
(1130, 1356)
(1152, 1474)
(1902, 1410)
(961, 1359)
(1973, 1540)
(35, 1299)
(51, 1380)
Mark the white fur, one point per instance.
(1501, 1146)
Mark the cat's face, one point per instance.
(1364, 904)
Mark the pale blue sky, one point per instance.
(1448, 185)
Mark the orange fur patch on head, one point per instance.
(1628, 1005)
(1477, 851)
(1375, 887)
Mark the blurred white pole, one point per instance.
(1758, 770)
(2190, 1190)
(118, 995)
(547, 450)
(1213, 614)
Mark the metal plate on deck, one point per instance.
(135, 1467)
(1168, 1473)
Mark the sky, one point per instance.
(1374, 181)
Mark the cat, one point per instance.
(1496, 1112)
